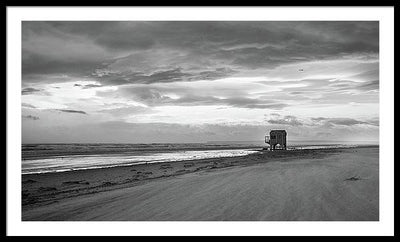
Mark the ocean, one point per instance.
(44, 158)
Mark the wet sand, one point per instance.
(301, 185)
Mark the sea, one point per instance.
(45, 158)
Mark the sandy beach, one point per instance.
(298, 185)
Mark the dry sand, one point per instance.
(326, 184)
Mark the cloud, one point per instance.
(370, 74)
(31, 117)
(218, 73)
(369, 86)
(144, 35)
(26, 105)
(29, 90)
(346, 85)
(291, 120)
(327, 91)
(71, 111)
(87, 85)
(204, 93)
(41, 64)
(374, 121)
(324, 134)
(339, 121)
(163, 51)
(155, 97)
(91, 86)
(286, 120)
(47, 50)
(126, 111)
(165, 76)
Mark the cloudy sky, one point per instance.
(199, 81)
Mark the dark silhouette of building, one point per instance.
(276, 139)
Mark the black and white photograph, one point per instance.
(201, 119)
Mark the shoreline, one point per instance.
(27, 156)
(40, 191)
(138, 162)
(133, 151)
(255, 149)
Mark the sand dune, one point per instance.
(312, 187)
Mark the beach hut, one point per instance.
(276, 139)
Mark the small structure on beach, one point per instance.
(276, 139)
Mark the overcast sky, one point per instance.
(199, 81)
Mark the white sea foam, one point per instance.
(82, 162)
